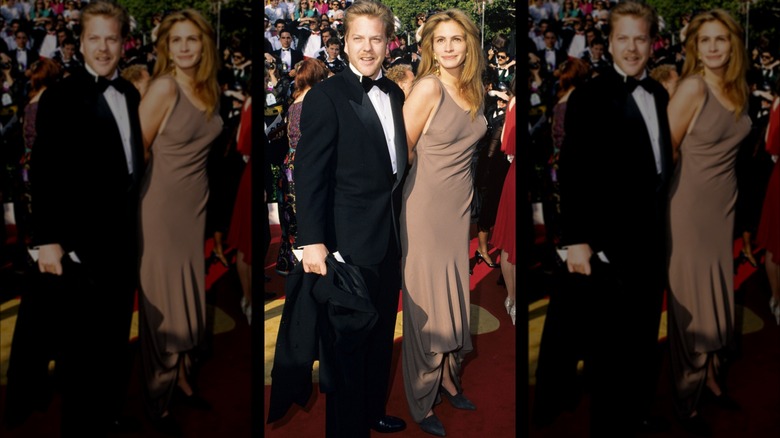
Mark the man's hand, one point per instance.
(578, 259)
(50, 259)
(314, 259)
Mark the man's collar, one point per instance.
(360, 75)
(624, 76)
(95, 75)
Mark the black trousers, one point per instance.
(82, 322)
(363, 376)
(610, 320)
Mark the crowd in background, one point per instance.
(568, 44)
(40, 45)
(299, 34)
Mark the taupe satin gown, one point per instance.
(701, 278)
(172, 303)
(435, 217)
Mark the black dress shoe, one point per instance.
(125, 425)
(458, 400)
(696, 426)
(654, 425)
(433, 426)
(167, 426)
(193, 400)
(388, 424)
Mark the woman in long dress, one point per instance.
(769, 228)
(308, 72)
(179, 120)
(708, 120)
(444, 121)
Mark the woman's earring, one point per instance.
(436, 66)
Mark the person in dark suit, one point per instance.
(349, 172)
(613, 185)
(86, 184)
(286, 56)
(550, 56)
(22, 58)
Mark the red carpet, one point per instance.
(224, 378)
(753, 380)
(488, 373)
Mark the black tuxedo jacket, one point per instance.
(32, 56)
(295, 55)
(84, 198)
(560, 57)
(347, 196)
(611, 195)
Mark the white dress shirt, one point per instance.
(21, 59)
(313, 45)
(48, 46)
(381, 103)
(118, 104)
(646, 103)
(286, 58)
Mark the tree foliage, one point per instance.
(764, 15)
(499, 14)
(235, 17)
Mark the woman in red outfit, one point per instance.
(769, 227)
(240, 234)
(504, 230)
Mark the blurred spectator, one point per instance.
(498, 42)
(45, 38)
(420, 19)
(309, 41)
(25, 55)
(309, 73)
(332, 56)
(305, 10)
(505, 70)
(138, 75)
(66, 56)
(279, 25)
(536, 34)
(770, 69)
(275, 12)
(43, 73)
(575, 38)
(402, 75)
(12, 10)
(568, 12)
(667, 75)
(241, 67)
(538, 11)
(596, 57)
(550, 57)
(286, 56)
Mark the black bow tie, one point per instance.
(118, 84)
(285, 50)
(383, 83)
(632, 83)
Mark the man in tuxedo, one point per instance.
(551, 56)
(286, 56)
(349, 172)
(86, 188)
(23, 56)
(613, 206)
